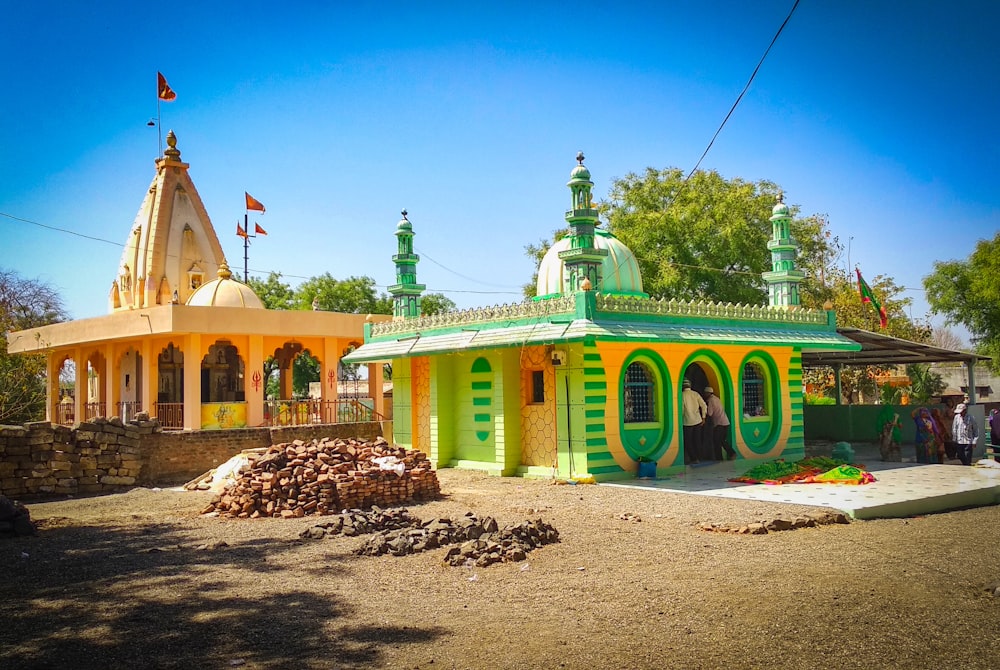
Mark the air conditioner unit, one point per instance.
(558, 357)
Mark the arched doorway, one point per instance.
(706, 370)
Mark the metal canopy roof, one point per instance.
(885, 350)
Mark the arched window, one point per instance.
(639, 394)
(755, 400)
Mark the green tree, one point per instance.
(436, 303)
(24, 303)
(924, 382)
(967, 292)
(354, 295)
(274, 293)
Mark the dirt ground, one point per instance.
(139, 580)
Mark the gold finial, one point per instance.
(172, 151)
(585, 285)
(224, 272)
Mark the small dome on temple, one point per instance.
(225, 292)
(619, 270)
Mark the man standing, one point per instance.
(694, 410)
(965, 433)
(720, 426)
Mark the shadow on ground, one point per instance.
(107, 597)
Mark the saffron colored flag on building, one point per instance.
(868, 297)
(163, 90)
(239, 231)
(258, 230)
(253, 203)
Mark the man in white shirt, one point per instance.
(694, 411)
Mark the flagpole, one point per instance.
(246, 248)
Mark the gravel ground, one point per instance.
(138, 580)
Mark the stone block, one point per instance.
(18, 450)
(60, 465)
(84, 435)
(117, 481)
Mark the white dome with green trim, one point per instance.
(619, 269)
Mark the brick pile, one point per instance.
(481, 541)
(321, 477)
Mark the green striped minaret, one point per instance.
(582, 260)
(783, 279)
(406, 291)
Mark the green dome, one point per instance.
(619, 269)
(404, 225)
(580, 173)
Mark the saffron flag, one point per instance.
(163, 90)
(239, 231)
(258, 230)
(253, 203)
(868, 297)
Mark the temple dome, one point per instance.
(225, 292)
(619, 269)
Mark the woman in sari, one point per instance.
(926, 440)
(947, 446)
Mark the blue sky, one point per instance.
(337, 115)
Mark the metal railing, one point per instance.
(126, 410)
(303, 412)
(170, 414)
(65, 413)
(94, 410)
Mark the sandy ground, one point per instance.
(120, 581)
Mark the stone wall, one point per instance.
(41, 459)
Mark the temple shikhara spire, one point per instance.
(172, 248)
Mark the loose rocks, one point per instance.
(323, 476)
(14, 519)
(399, 533)
(778, 523)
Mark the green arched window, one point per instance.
(755, 396)
(639, 394)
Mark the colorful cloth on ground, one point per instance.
(807, 471)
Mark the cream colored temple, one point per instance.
(186, 342)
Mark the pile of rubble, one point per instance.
(14, 518)
(324, 476)
(810, 520)
(399, 533)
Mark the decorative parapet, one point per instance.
(717, 310)
(526, 310)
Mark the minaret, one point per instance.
(783, 279)
(582, 260)
(406, 291)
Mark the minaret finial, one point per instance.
(579, 157)
(404, 213)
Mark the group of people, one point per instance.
(938, 439)
(706, 426)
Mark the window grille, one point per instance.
(639, 394)
(754, 397)
(538, 386)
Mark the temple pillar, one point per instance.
(192, 382)
(253, 384)
(375, 387)
(80, 386)
(149, 378)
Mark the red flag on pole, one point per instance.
(258, 230)
(163, 90)
(253, 203)
(239, 231)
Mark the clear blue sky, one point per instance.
(879, 113)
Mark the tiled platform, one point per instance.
(901, 489)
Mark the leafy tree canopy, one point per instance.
(967, 292)
(354, 295)
(274, 293)
(24, 303)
